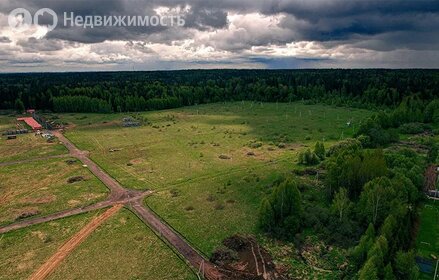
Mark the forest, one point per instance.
(139, 91)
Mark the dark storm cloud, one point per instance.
(314, 20)
(197, 17)
(205, 18)
(365, 25)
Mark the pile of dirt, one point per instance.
(27, 214)
(224, 157)
(71, 161)
(75, 179)
(245, 259)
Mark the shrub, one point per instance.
(319, 150)
(412, 128)
(308, 158)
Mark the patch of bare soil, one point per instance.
(245, 259)
(75, 179)
(39, 200)
(224, 157)
(23, 214)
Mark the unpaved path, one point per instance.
(173, 238)
(117, 190)
(52, 263)
(72, 212)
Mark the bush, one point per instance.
(347, 145)
(308, 158)
(319, 150)
(412, 128)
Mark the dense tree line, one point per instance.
(137, 91)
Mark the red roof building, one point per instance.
(31, 122)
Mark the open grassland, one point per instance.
(41, 187)
(26, 146)
(177, 153)
(123, 248)
(25, 250)
(186, 143)
(427, 242)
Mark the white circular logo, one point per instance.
(20, 19)
(51, 12)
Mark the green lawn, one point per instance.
(25, 250)
(123, 248)
(427, 242)
(42, 187)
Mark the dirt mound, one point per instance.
(71, 161)
(27, 214)
(245, 259)
(75, 179)
(224, 157)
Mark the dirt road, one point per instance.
(173, 238)
(72, 212)
(52, 263)
(117, 191)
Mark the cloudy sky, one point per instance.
(226, 34)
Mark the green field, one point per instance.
(209, 166)
(177, 154)
(41, 187)
(186, 143)
(427, 242)
(123, 248)
(24, 250)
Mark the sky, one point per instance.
(270, 34)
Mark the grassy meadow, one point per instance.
(183, 144)
(177, 154)
(25, 250)
(427, 242)
(209, 165)
(41, 187)
(123, 248)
